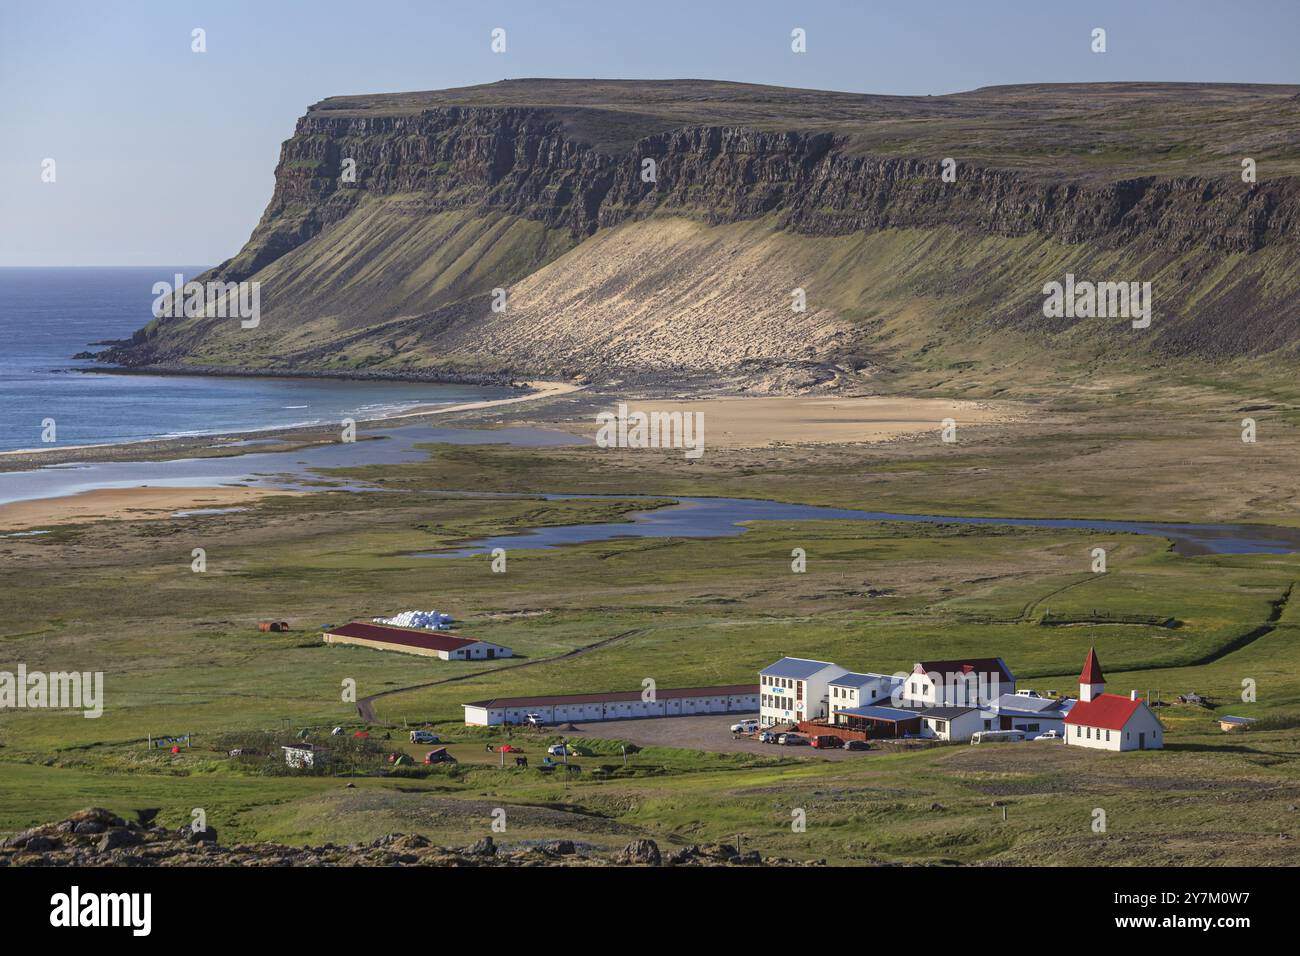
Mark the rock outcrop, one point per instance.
(96, 837)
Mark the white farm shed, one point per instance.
(613, 705)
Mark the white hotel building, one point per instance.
(794, 689)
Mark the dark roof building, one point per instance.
(385, 637)
(971, 665)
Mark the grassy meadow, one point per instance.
(181, 654)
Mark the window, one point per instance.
(1108, 736)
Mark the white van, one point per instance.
(997, 737)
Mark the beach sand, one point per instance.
(146, 502)
(539, 390)
(760, 422)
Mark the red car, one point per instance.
(827, 742)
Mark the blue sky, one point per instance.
(166, 156)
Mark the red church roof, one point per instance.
(1109, 711)
(1091, 669)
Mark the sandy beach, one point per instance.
(148, 503)
(761, 422)
(538, 390)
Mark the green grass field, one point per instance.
(181, 654)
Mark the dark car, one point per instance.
(856, 745)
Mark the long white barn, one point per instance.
(613, 705)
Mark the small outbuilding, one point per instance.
(951, 723)
(1228, 723)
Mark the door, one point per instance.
(1142, 740)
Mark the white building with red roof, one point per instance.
(1110, 721)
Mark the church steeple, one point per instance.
(1092, 683)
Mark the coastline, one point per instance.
(500, 380)
(270, 438)
(145, 503)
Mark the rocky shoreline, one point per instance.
(98, 837)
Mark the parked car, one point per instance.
(827, 742)
(424, 737)
(439, 756)
(1048, 735)
(767, 737)
(558, 750)
(745, 727)
(856, 745)
(792, 740)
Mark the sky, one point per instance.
(163, 155)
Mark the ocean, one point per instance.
(49, 315)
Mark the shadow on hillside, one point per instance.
(1216, 749)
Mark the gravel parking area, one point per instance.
(709, 732)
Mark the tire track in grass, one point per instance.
(366, 707)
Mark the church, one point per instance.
(1110, 721)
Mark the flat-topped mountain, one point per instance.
(659, 229)
(1084, 130)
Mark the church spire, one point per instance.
(1091, 681)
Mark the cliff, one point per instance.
(537, 187)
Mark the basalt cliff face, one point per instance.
(660, 230)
